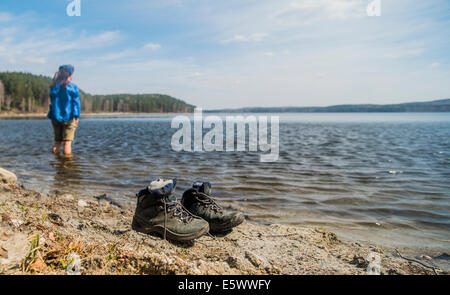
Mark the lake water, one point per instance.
(378, 177)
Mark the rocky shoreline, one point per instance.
(51, 233)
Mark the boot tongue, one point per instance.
(203, 187)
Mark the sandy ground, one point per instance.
(54, 233)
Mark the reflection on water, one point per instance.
(67, 171)
(384, 177)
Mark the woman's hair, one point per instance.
(61, 76)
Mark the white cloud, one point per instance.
(413, 52)
(105, 37)
(435, 65)
(403, 52)
(319, 76)
(35, 60)
(52, 42)
(5, 17)
(20, 45)
(307, 11)
(243, 38)
(153, 46)
(117, 55)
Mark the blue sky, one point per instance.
(237, 53)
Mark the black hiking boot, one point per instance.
(158, 211)
(199, 202)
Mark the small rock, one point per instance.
(74, 266)
(42, 241)
(195, 270)
(233, 262)
(272, 269)
(68, 197)
(55, 219)
(119, 232)
(93, 262)
(16, 222)
(396, 272)
(200, 267)
(75, 223)
(38, 266)
(52, 237)
(376, 249)
(5, 218)
(7, 176)
(106, 206)
(82, 203)
(359, 261)
(253, 259)
(425, 257)
(4, 237)
(3, 253)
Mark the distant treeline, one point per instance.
(442, 105)
(28, 93)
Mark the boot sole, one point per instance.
(219, 228)
(169, 234)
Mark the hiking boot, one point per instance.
(199, 202)
(158, 211)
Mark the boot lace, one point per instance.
(177, 210)
(209, 202)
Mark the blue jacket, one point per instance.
(65, 103)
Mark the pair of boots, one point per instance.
(158, 211)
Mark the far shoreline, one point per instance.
(44, 115)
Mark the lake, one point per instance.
(383, 177)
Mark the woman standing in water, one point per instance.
(65, 109)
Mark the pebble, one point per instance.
(55, 218)
(42, 241)
(52, 237)
(253, 259)
(5, 218)
(233, 262)
(4, 237)
(16, 222)
(76, 224)
(7, 176)
(68, 197)
(3, 253)
(82, 203)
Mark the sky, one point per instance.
(237, 53)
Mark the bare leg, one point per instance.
(67, 145)
(56, 147)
